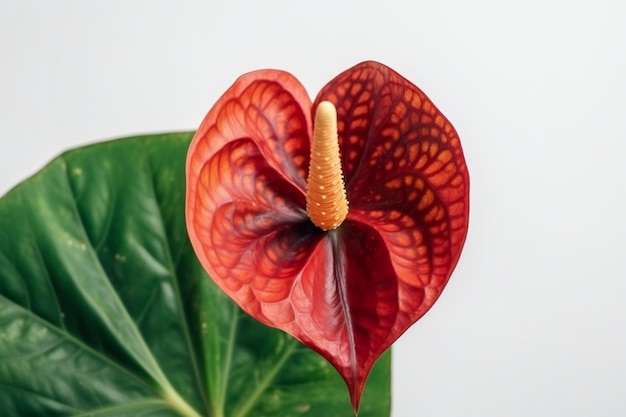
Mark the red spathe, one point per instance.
(348, 293)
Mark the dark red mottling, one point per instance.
(351, 292)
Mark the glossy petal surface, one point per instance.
(351, 292)
(406, 178)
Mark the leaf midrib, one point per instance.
(220, 407)
(139, 405)
(171, 265)
(167, 392)
(81, 344)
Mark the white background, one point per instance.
(533, 322)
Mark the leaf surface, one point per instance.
(105, 310)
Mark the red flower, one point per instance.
(348, 293)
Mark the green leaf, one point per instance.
(105, 311)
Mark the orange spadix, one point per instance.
(326, 202)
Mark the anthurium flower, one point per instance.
(345, 266)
